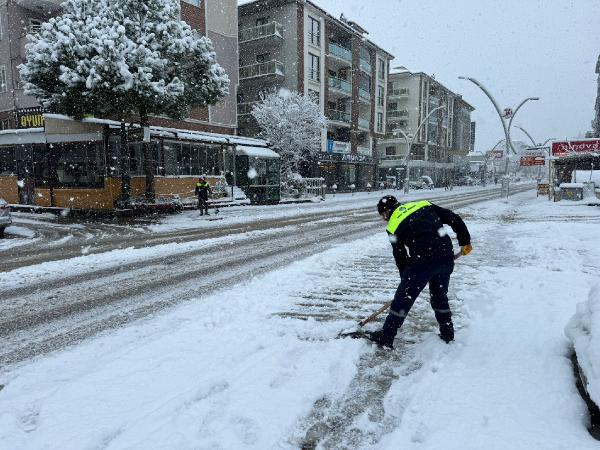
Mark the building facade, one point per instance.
(596, 121)
(216, 19)
(435, 119)
(296, 45)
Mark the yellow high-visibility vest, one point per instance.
(402, 212)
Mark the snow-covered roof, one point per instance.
(256, 152)
(178, 133)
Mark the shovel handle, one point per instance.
(373, 316)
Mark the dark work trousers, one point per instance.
(203, 205)
(414, 279)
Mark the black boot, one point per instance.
(381, 339)
(447, 332)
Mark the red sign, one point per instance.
(565, 148)
(532, 161)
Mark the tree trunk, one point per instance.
(124, 166)
(149, 162)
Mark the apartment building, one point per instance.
(596, 122)
(294, 44)
(216, 19)
(463, 130)
(436, 120)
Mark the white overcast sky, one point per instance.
(516, 48)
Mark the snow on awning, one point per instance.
(256, 152)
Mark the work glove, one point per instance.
(466, 249)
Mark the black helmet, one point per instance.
(387, 203)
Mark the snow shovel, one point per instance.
(360, 333)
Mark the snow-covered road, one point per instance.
(258, 365)
(57, 303)
(38, 238)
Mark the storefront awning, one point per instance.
(256, 152)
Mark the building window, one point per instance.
(380, 96)
(380, 122)
(315, 68)
(5, 124)
(381, 71)
(193, 2)
(80, 165)
(390, 151)
(314, 32)
(3, 87)
(264, 57)
(262, 21)
(35, 26)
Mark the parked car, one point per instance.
(427, 182)
(466, 181)
(5, 219)
(418, 184)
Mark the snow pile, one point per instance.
(584, 332)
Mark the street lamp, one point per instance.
(527, 134)
(410, 145)
(505, 127)
(513, 116)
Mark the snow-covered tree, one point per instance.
(293, 124)
(122, 58)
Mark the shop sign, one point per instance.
(495, 154)
(338, 147)
(564, 148)
(350, 157)
(532, 160)
(30, 118)
(354, 158)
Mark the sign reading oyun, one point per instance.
(30, 118)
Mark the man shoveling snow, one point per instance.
(418, 227)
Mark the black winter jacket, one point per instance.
(423, 234)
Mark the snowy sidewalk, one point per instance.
(240, 369)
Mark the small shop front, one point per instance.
(573, 168)
(346, 170)
(79, 164)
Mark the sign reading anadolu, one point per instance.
(564, 148)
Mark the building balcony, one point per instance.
(342, 117)
(46, 6)
(342, 86)
(270, 68)
(366, 65)
(398, 93)
(395, 113)
(364, 95)
(341, 53)
(244, 109)
(272, 29)
(364, 124)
